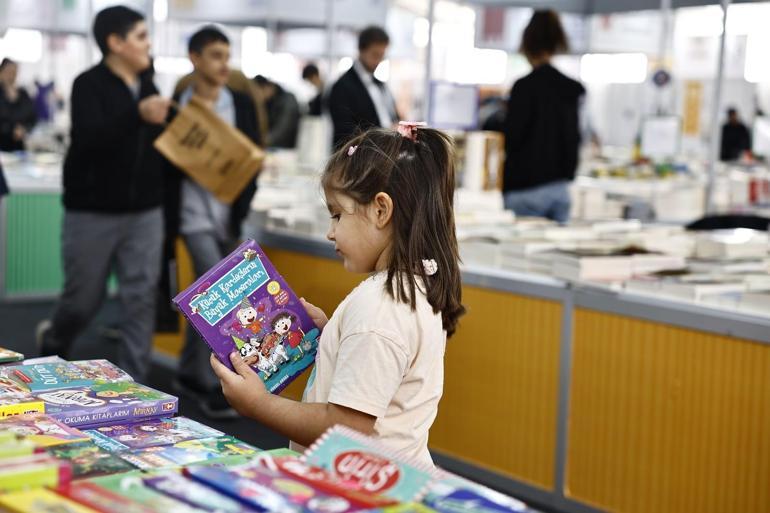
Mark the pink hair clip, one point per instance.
(352, 150)
(408, 129)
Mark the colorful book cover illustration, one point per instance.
(449, 492)
(297, 492)
(20, 406)
(253, 495)
(40, 500)
(7, 356)
(242, 304)
(43, 430)
(101, 499)
(193, 493)
(328, 483)
(107, 403)
(52, 376)
(132, 487)
(187, 452)
(88, 460)
(150, 433)
(368, 465)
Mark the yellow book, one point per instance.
(22, 408)
(40, 501)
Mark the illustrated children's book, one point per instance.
(15, 400)
(370, 466)
(187, 452)
(89, 460)
(43, 430)
(132, 487)
(52, 376)
(193, 493)
(296, 491)
(250, 493)
(40, 501)
(107, 403)
(6, 356)
(242, 304)
(150, 433)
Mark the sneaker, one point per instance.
(216, 407)
(45, 346)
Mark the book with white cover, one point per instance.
(756, 302)
(591, 265)
(739, 243)
(696, 287)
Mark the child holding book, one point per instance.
(379, 367)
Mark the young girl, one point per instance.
(380, 365)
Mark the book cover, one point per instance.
(328, 483)
(52, 376)
(101, 499)
(107, 403)
(368, 465)
(449, 492)
(248, 492)
(20, 406)
(89, 460)
(40, 500)
(242, 304)
(150, 433)
(33, 470)
(7, 356)
(187, 452)
(193, 493)
(42, 430)
(131, 486)
(296, 491)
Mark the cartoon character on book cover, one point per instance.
(244, 305)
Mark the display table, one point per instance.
(580, 398)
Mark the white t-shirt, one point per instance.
(379, 357)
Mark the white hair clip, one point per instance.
(430, 267)
(352, 150)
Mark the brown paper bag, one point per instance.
(216, 155)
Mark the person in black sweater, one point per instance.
(210, 229)
(542, 136)
(17, 110)
(735, 137)
(112, 193)
(282, 114)
(359, 101)
(311, 74)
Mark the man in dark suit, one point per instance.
(358, 100)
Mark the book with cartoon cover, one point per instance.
(101, 499)
(43, 430)
(131, 486)
(33, 470)
(7, 356)
(242, 304)
(52, 376)
(16, 400)
(107, 403)
(89, 460)
(370, 466)
(250, 493)
(187, 452)
(193, 493)
(150, 433)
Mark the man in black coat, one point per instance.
(735, 137)
(358, 100)
(210, 228)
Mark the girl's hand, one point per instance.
(316, 314)
(243, 388)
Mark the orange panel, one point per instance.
(501, 386)
(667, 419)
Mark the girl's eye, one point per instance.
(336, 217)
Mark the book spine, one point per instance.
(84, 419)
(7, 410)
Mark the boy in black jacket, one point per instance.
(209, 227)
(112, 193)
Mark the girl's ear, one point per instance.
(382, 209)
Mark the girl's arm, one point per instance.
(301, 422)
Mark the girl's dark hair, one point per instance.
(544, 35)
(6, 62)
(419, 176)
